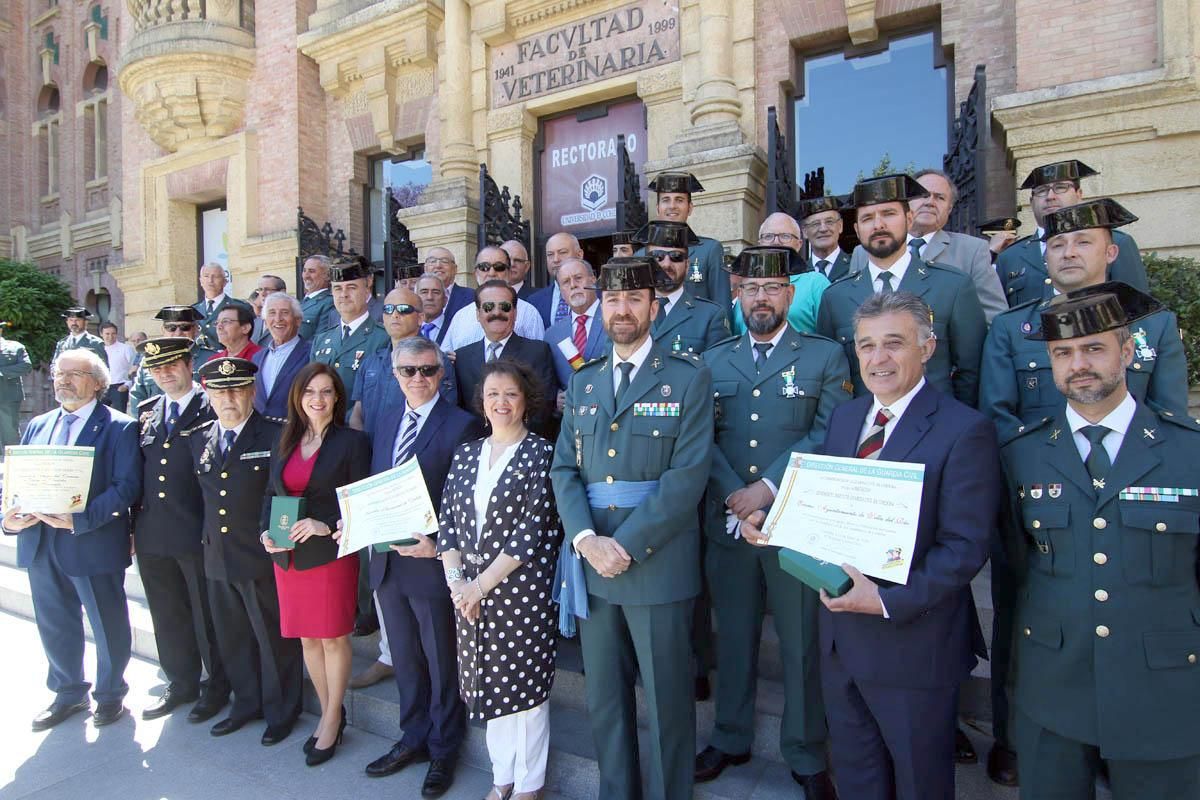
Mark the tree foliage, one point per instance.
(32, 301)
(885, 167)
(1175, 281)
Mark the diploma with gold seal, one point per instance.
(385, 509)
(49, 479)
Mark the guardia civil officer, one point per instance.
(167, 534)
(821, 220)
(355, 335)
(76, 318)
(630, 465)
(1107, 492)
(882, 219)
(775, 389)
(706, 276)
(1022, 265)
(176, 321)
(231, 456)
(14, 363)
(685, 323)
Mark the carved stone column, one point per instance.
(458, 148)
(716, 94)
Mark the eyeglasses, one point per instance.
(769, 289)
(434, 260)
(675, 256)
(70, 374)
(499, 266)
(786, 238)
(490, 306)
(427, 370)
(1062, 187)
(398, 308)
(819, 224)
(520, 261)
(182, 327)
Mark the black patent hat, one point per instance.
(1101, 212)
(665, 233)
(227, 372)
(816, 205)
(78, 312)
(886, 189)
(627, 274)
(165, 349)
(349, 270)
(1095, 309)
(409, 271)
(1071, 170)
(178, 314)
(762, 262)
(623, 237)
(678, 182)
(1000, 224)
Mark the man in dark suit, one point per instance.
(518, 277)
(232, 456)
(78, 560)
(548, 300)
(77, 335)
(411, 588)
(282, 358)
(582, 333)
(1022, 265)
(166, 535)
(440, 261)
(496, 308)
(212, 284)
(893, 655)
(821, 220)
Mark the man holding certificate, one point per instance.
(78, 560)
(893, 654)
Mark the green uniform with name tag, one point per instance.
(762, 416)
(347, 355)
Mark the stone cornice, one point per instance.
(522, 13)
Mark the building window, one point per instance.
(894, 102)
(48, 130)
(404, 177)
(95, 122)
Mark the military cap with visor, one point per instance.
(165, 349)
(675, 182)
(78, 312)
(665, 233)
(1095, 309)
(1100, 212)
(886, 189)
(1071, 170)
(627, 274)
(227, 372)
(178, 314)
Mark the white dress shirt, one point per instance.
(182, 401)
(237, 431)
(356, 323)
(592, 311)
(898, 269)
(465, 329)
(216, 301)
(315, 293)
(423, 412)
(120, 358)
(926, 237)
(672, 298)
(831, 258)
(1117, 422)
(1038, 234)
(487, 476)
(499, 352)
(897, 408)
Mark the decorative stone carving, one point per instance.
(860, 16)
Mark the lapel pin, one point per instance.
(1097, 483)
(587, 389)
(1026, 327)
(666, 390)
(1148, 432)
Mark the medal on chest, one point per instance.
(677, 344)
(1142, 346)
(358, 356)
(694, 274)
(789, 388)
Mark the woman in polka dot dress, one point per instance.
(499, 543)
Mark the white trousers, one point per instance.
(518, 745)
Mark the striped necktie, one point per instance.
(871, 445)
(408, 438)
(581, 334)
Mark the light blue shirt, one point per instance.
(275, 359)
(802, 314)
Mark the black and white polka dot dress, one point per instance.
(506, 659)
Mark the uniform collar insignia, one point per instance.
(1054, 434)
(1149, 432)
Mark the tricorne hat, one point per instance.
(1094, 309)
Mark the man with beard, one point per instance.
(780, 230)
(1105, 493)
(629, 469)
(821, 219)
(77, 335)
(706, 276)
(176, 321)
(622, 244)
(317, 303)
(685, 323)
(775, 389)
(1017, 389)
(1022, 265)
(882, 219)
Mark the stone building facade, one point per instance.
(258, 107)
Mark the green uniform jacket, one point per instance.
(802, 313)
(87, 341)
(706, 275)
(346, 357)
(663, 431)
(1017, 385)
(144, 386)
(1022, 268)
(318, 314)
(840, 267)
(1108, 616)
(958, 323)
(693, 327)
(14, 362)
(763, 416)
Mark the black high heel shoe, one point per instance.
(315, 756)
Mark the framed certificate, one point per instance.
(52, 480)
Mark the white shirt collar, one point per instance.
(898, 269)
(183, 401)
(516, 287)
(773, 341)
(316, 292)
(898, 407)
(673, 297)
(237, 429)
(831, 258)
(424, 409)
(637, 357)
(358, 321)
(503, 344)
(216, 301)
(927, 237)
(1118, 420)
(590, 312)
(82, 414)
(288, 345)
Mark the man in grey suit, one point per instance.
(928, 241)
(576, 281)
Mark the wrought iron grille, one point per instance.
(631, 209)
(964, 162)
(781, 188)
(499, 214)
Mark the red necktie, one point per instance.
(871, 445)
(580, 336)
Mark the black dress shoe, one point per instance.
(703, 689)
(274, 734)
(107, 713)
(169, 701)
(439, 777)
(395, 760)
(816, 787)
(231, 724)
(56, 713)
(365, 624)
(964, 751)
(711, 762)
(207, 707)
(1002, 765)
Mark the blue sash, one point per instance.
(622, 494)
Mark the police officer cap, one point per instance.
(1071, 170)
(1101, 212)
(165, 349)
(623, 237)
(626, 274)
(178, 314)
(409, 271)
(665, 233)
(349, 269)
(678, 182)
(762, 262)
(227, 372)
(1095, 309)
(78, 312)
(816, 205)
(886, 189)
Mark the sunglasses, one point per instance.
(427, 370)
(182, 327)
(490, 306)
(674, 255)
(499, 266)
(398, 308)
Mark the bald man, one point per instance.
(549, 300)
(781, 230)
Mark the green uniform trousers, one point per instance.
(9, 414)
(619, 642)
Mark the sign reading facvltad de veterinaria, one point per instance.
(633, 37)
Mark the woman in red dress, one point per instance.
(317, 590)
